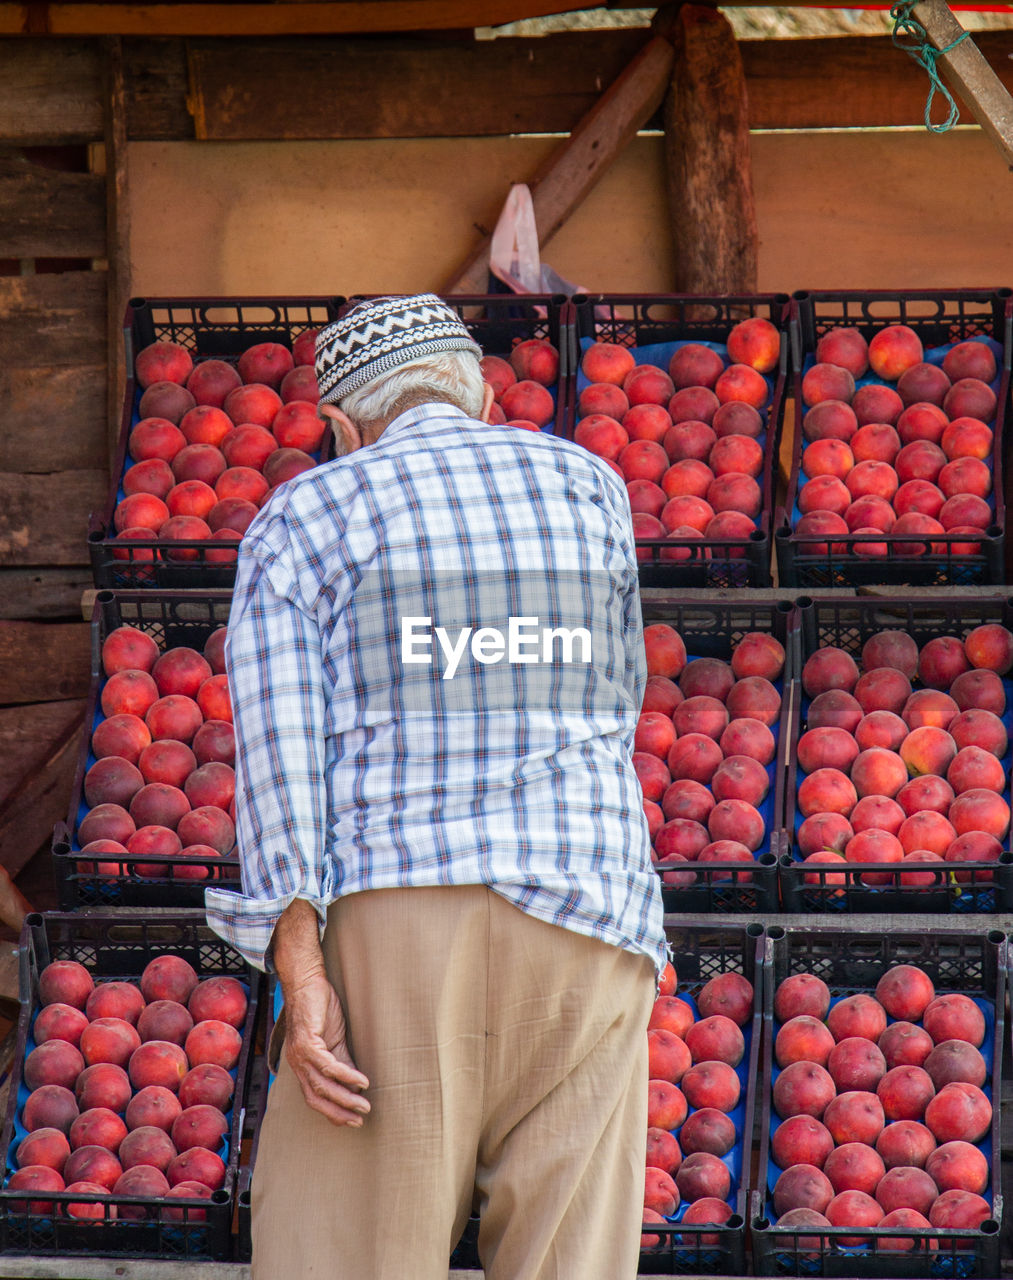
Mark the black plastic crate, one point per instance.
(668, 321)
(711, 629)
(941, 318)
(971, 963)
(499, 321)
(701, 952)
(209, 328)
(171, 619)
(119, 948)
(846, 623)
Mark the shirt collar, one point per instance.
(421, 413)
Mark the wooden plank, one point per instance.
(46, 741)
(289, 89)
(293, 18)
(572, 169)
(155, 75)
(36, 594)
(966, 70)
(44, 518)
(710, 186)
(50, 90)
(48, 214)
(52, 417)
(50, 320)
(44, 661)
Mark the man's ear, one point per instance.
(346, 433)
(488, 397)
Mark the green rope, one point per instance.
(911, 36)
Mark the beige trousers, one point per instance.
(507, 1061)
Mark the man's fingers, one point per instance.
(331, 1110)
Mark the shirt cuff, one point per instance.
(247, 924)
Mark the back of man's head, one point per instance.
(388, 354)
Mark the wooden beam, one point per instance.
(573, 168)
(710, 185)
(155, 74)
(50, 91)
(117, 233)
(970, 75)
(48, 213)
(44, 662)
(294, 18)
(52, 320)
(44, 518)
(249, 90)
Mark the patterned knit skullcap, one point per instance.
(375, 337)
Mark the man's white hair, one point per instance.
(453, 377)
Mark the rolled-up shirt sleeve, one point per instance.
(274, 663)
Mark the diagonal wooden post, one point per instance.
(970, 75)
(710, 183)
(573, 169)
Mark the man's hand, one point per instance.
(314, 1021)
(317, 1053)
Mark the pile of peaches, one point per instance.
(698, 1058)
(212, 442)
(895, 443)
(162, 782)
(688, 440)
(704, 750)
(521, 383)
(905, 757)
(125, 1092)
(880, 1104)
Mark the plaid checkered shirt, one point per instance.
(358, 768)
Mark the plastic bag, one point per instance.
(513, 254)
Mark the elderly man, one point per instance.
(436, 664)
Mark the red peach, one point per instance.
(198, 1165)
(737, 820)
(824, 493)
(882, 689)
(167, 762)
(669, 1013)
(964, 475)
(826, 791)
(108, 1040)
(922, 421)
(923, 382)
(855, 1116)
(103, 1085)
(834, 709)
(597, 397)
(920, 497)
(803, 1088)
(156, 804)
(827, 382)
(300, 383)
(844, 346)
(743, 779)
(195, 463)
(970, 359)
(823, 831)
(663, 1151)
(990, 646)
(854, 1166)
(958, 1166)
(694, 364)
(98, 1127)
(106, 822)
(928, 750)
(728, 994)
(959, 1112)
(905, 1144)
(801, 1140)
(875, 812)
(707, 1130)
(905, 1092)
(666, 1105)
(52, 1106)
(669, 1058)
(929, 707)
(153, 1106)
(203, 1126)
(954, 1017)
(687, 478)
(687, 799)
(967, 438)
(877, 771)
(979, 689)
(906, 1189)
(974, 767)
(963, 512)
(165, 1020)
(659, 1190)
(956, 1060)
(213, 1086)
(53, 1062)
(174, 716)
(803, 1039)
(46, 1147)
(829, 668)
(876, 403)
(680, 838)
(830, 420)
(690, 440)
(829, 457)
(801, 994)
(856, 1064)
(647, 384)
(880, 729)
(959, 1209)
(115, 1000)
(693, 404)
(90, 1165)
(825, 524)
(919, 460)
(870, 513)
(893, 350)
(754, 698)
(652, 774)
(970, 398)
(802, 1186)
(647, 499)
(827, 749)
(695, 756)
(703, 1176)
(858, 1015)
(980, 810)
(740, 382)
(973, 846)
(904, 1044)
(112, 780)
(875, 442)
(712, 1084)
(905, 991)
